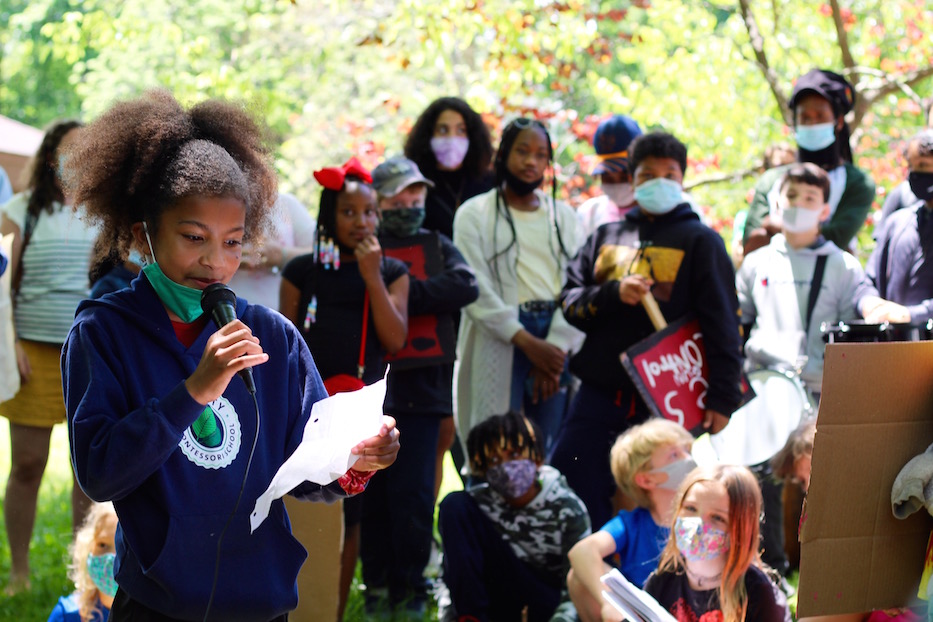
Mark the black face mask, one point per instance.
(827, 159)
(921, 184)
(519, 187)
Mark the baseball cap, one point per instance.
(828, 85)
(396, 174)
(611, 141)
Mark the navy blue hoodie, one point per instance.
(136, 439)
(692, 274)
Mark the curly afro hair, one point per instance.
(478, 156)
(144, 155)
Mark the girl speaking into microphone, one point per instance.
(157, 422)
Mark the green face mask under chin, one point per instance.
(185, 302)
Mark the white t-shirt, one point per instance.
(538, 269)
(55, 267)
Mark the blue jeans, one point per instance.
(549, 413)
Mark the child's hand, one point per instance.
(610, 614)
(715, 421)
(368, 255)
(378, 452)
(633, 288)
(545, 356)
(229, 350)
(544, 385)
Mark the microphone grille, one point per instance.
(214, 294)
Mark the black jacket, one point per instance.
(427, 390)
(692, 274)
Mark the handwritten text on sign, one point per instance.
(669, 369)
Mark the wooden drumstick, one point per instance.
(654, 311)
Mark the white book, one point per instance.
(635, 604)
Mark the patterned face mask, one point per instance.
(698, 541)
(100, 567)
(512, 479)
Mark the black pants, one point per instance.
(125, 609)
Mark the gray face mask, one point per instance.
(676, 473)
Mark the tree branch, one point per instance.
(890, 84)
(842, 36)
(761, 59)
(730, 176)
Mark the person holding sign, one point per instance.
(660, 248)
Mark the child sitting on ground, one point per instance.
(92, 557)
(649, 461)
(710, 568)
(506, 542)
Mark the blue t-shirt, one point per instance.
(639, 541)
(66, 610)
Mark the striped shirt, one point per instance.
(55, 270)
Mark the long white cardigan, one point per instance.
(487, 326)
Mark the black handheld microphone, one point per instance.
(220, 301)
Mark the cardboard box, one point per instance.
(876, 413)
(319, 528)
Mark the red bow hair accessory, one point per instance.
(333, 178)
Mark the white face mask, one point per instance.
(622, 195)
(800, 219)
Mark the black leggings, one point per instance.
(125, 609)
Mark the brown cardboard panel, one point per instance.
(876, 413)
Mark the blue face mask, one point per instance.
(658, 196)
(100, 568)
(815, 137)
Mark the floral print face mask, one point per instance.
(698, 541)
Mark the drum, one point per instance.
(760, 428)
(858, 331)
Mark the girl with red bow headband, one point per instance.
(350, 303)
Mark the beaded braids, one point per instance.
(144, 155)
(509, 136)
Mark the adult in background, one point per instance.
(899, 267)
(290, 234)
(611, 142)
(49, 264)
(902, 196)
(450, 144)
(819, 102)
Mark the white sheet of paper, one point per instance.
(337, 424)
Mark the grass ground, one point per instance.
(49, 549)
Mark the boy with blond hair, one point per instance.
(648, 461)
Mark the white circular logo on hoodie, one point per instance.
(213, 440)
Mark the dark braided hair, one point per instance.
(144, 155)
(509, 136)
(511, 431)
(418, 143)
(44, 181)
